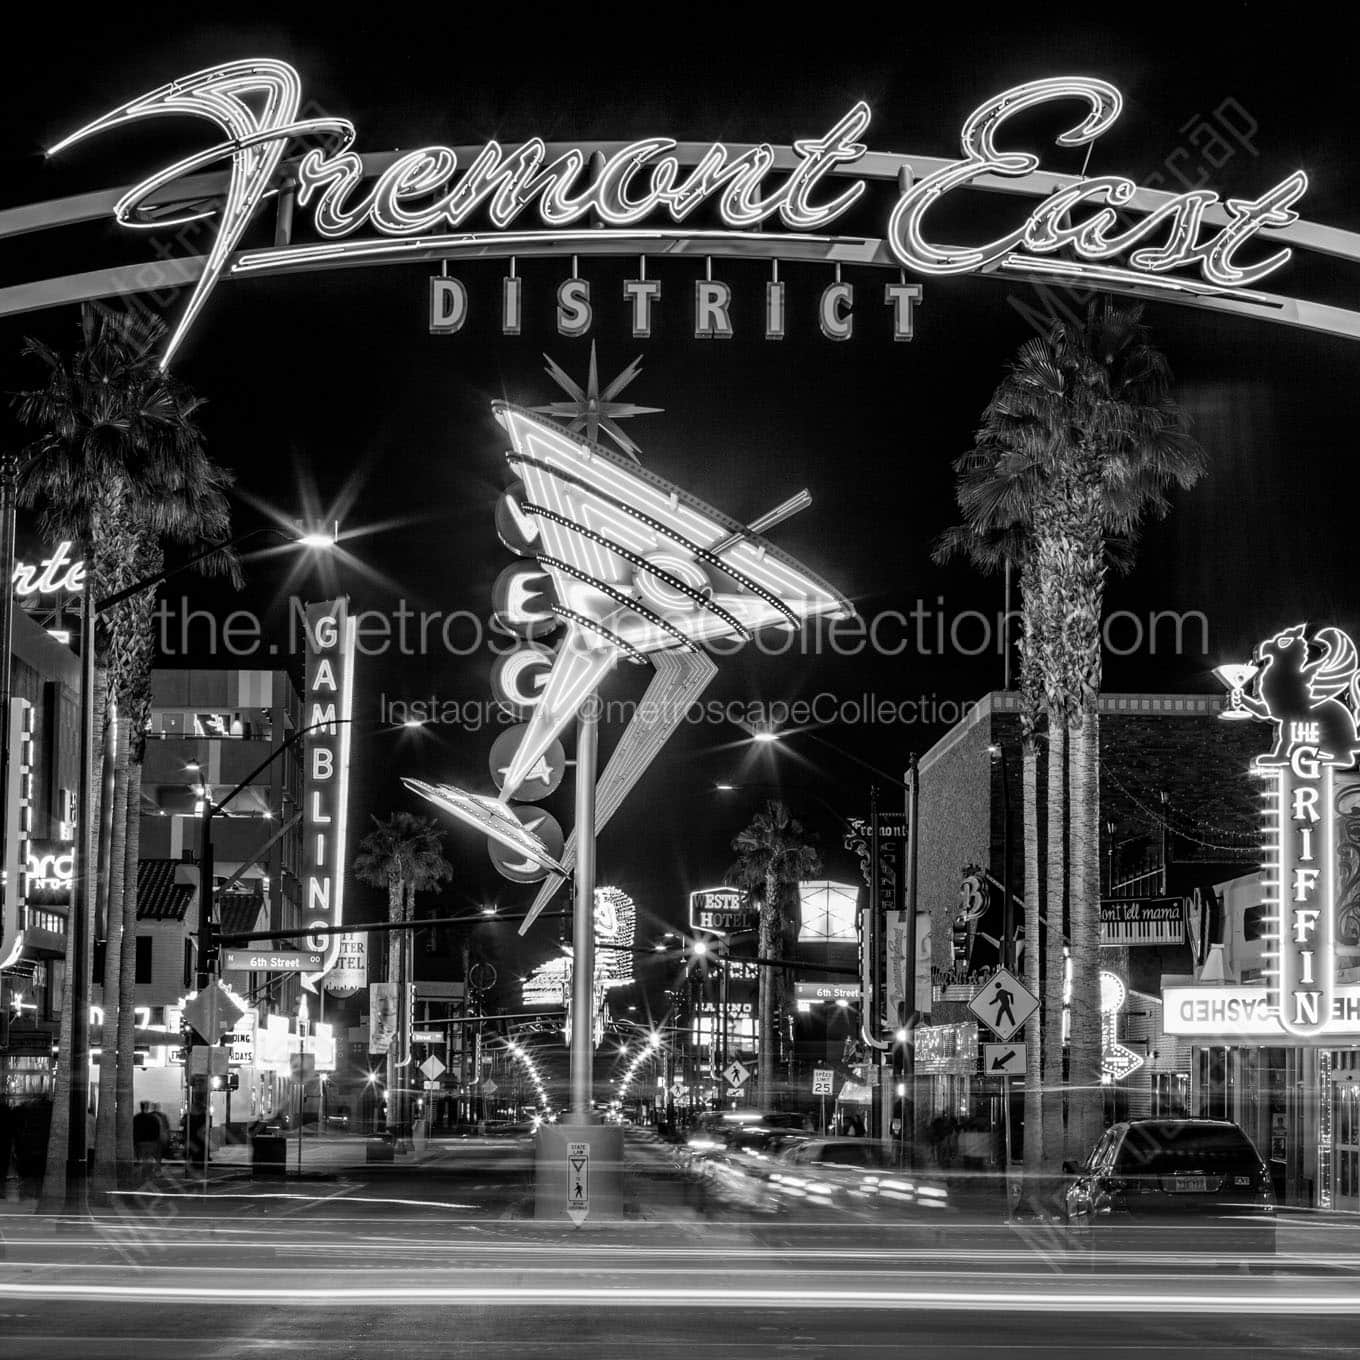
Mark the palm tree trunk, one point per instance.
(1056, 810)
(108, 775)
(1085, 1122)
(112, 1056)
(395, 897)
(765, 989)
(1034, 1129)
(53, 1196)
(132, 849)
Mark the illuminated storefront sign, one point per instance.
(17, 830)
(440, 201)
(615, 924)
(827, 912)
(947, 1050)
(1234, 1012)
(328, 703)
(1310, 690)
(1117, 1062)
(720, 910)
(55, 575)
(350, 973)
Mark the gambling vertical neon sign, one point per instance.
(326, 717)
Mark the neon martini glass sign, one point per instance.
(639, 566)
(427, 198)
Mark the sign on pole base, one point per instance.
(578, 1173)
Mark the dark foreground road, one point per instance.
(423, 1262)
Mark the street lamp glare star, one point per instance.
(765, 736)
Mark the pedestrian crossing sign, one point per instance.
(1003, 1003)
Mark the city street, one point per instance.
(678, 686)
(438, 1258)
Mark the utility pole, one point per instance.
(583, 922)
(912, 1001)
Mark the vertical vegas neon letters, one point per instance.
(326, 716)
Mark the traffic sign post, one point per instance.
(1003, 1004)
(822, 1078)
(578, 1182)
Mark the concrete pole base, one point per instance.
(559, 1184)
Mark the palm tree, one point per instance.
(1080, 443)
(403, 854)
(773, 856)
(991, 542)
(119, 467)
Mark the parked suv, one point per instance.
(1174, 1185)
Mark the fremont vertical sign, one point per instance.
(328, 703)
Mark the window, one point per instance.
(143, 959)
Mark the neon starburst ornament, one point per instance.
(592, 411)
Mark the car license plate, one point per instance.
(1189, 1184)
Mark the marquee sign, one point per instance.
(17, 830)
(719, 910)
(328, 709)
(641, 197)
(55, 575)
(1309, 688)
(638, 568)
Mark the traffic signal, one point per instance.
(211, 948)
(959, 939)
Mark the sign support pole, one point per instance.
(583, 921)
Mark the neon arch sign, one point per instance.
(599, 198)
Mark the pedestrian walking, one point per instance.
(146, 1140)
(163, 1146)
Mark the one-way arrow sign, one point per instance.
(1006, 1060)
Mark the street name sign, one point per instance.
(822, 1078)
(270, 960)
(1003, 1004)
(826, 991)
(427, 1036)
(578, 1182)
(1004, 1060)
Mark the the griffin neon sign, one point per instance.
(1310, 689)
(422, 200)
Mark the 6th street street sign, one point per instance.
(270, 961)
(1004, 1004)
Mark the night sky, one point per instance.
(326, 392)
